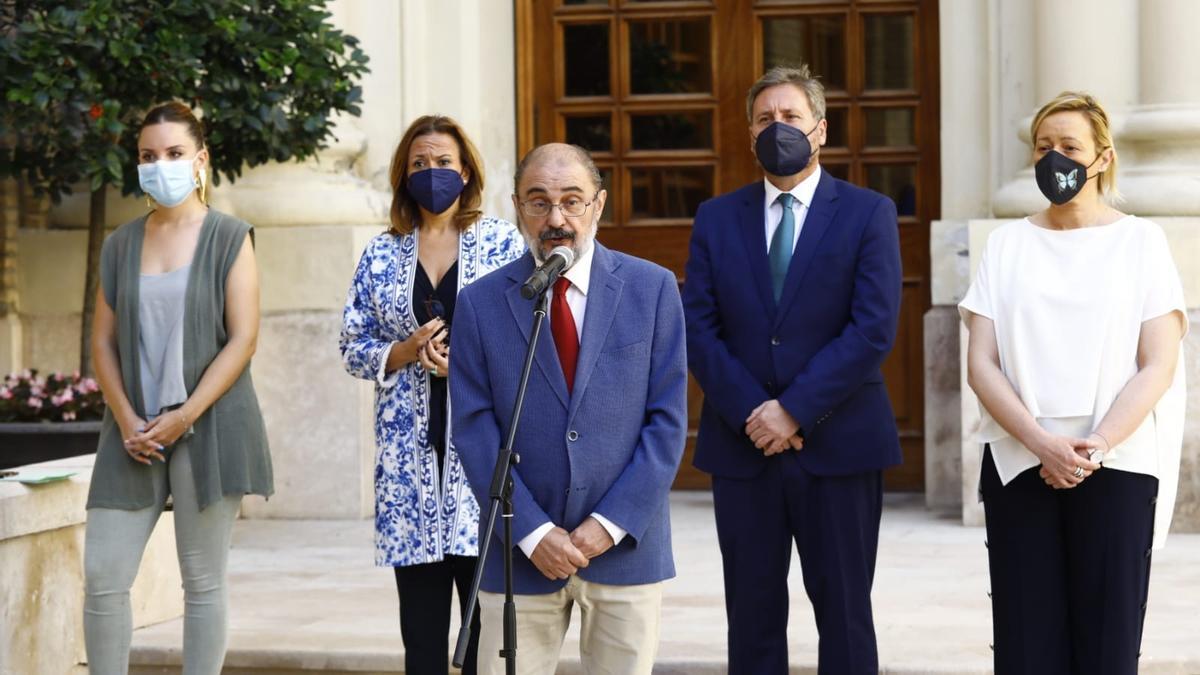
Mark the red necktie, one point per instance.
(562, 325)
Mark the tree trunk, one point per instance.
(92, 280)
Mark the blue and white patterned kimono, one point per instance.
(420, 515)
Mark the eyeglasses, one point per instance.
(571, 207)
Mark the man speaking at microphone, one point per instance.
(601, 434)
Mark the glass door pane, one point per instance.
(888, 39)
(670, 56)
(817, 40)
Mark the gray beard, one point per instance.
(579, 245)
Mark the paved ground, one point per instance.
(305, 597)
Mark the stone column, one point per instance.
(312, 220)
(966, 190)
(474, 82)
(1166, 125)
(1088, 45)
(1165, 184)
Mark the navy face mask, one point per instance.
(436, 189)
(783, 150)
(1059, 177)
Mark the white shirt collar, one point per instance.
(803, 192)
(581, 272)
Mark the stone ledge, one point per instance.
(29, 509)
(41, 573)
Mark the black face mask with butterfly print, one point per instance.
(1059, 177)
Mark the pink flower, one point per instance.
(68, 416)
(67, 395)
(35, 403)
(5, 394)
(37, 391)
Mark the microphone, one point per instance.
(559, 261)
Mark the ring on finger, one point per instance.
(1078, 472)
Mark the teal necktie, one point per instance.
(780, 253)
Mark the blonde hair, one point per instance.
(1097, 117)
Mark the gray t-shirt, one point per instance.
(160, 339)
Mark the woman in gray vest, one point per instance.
(176, 323)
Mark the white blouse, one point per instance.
(1068, 307)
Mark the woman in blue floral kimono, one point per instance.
(395, 332)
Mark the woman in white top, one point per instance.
(1076, 318)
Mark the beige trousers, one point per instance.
(618, 633)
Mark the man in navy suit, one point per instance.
(792, 297)
(601, 437)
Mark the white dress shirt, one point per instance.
(773, 210)
(579, 275)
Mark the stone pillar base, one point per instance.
(320, 420)
(943, 431)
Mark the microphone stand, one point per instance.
(501, 496)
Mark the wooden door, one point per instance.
(656, 89)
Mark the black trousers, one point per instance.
(425, 592)
(1070, 571)
(834, 522)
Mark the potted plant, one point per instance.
(48, 417)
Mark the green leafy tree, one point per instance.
(78, 75)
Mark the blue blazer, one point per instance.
(818, 350)
(612, 447)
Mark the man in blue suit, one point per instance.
(792, 296)
(602, 433)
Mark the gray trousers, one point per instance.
(114, 544)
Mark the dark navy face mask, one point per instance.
(783, 150)
(1059, 177)
(436, 189)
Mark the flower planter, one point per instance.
(32, 442)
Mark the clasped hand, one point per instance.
(1065, 460)
(772, 429)
(146, 441)
(560, 554)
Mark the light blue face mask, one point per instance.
(168, 182)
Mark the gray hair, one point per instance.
(800, 77)
(575, 152)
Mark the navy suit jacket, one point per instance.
(818, 350)
(611, 447)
